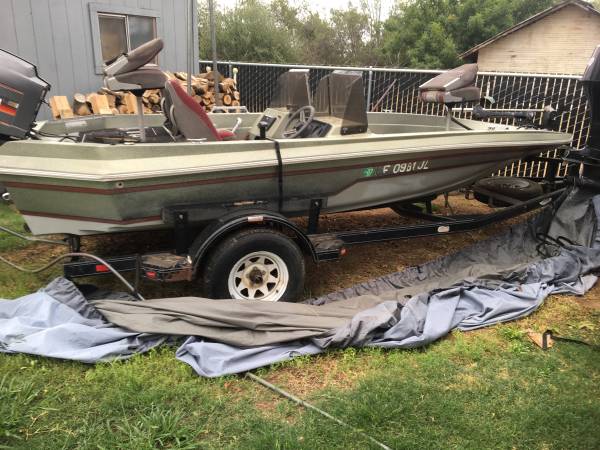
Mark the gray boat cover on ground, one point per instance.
(57, 321)
(496, 280)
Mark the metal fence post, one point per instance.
(369, 88)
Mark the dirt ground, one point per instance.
(364, 262)
(361, 263)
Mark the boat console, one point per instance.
(337, 109)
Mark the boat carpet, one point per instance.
(496, 280)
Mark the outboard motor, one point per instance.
(591, 84)
(22, 93)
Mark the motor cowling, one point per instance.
(22, 92)
(591, 85)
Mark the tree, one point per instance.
(351, 28)
(478, 20)
(407, 32)
(313, 38)
(431, 33)
(277, 31)
(248, 32)
(419, 33)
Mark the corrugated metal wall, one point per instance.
(56, 35)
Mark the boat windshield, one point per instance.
(291, 91)
(341, 95)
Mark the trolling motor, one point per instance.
(457, 87)
(480, 113)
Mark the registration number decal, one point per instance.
(396, 169)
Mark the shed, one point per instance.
(69, 40)
(559, 39)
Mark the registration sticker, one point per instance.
(369, 172)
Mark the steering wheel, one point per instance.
(298, 122)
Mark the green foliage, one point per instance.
(277, 32)
(418, 33)
(14, 222)
(432, 33)
(247, 33)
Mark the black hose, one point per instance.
(72, 255)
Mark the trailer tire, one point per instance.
(238, 265)
(514, 187)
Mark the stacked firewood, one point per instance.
(105, 101)
(203, 86)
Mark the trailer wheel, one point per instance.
(514, 187)
(255, 264)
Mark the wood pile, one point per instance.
(203, 86)
(105, 101)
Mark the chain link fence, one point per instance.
(397, 90)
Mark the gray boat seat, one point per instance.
(186, 117)
(453, 86)
(133, 71)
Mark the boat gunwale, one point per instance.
(123, 176)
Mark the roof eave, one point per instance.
(536, 17)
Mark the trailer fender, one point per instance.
(230, 223)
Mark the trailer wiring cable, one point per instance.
(312, 407)
(59, 258)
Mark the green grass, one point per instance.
(484, 389)
(12, 221)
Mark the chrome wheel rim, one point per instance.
(258, 276)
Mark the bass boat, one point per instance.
(113, 173)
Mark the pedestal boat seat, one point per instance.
(453, 87)
(134, 72)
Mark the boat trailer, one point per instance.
(184, 262)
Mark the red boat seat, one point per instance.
(188, 118)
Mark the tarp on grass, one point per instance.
(496, 280)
